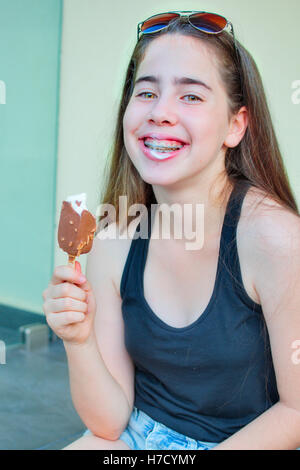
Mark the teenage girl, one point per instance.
(170, 348)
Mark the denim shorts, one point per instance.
(143, 433)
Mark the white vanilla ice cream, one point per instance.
(78, 202)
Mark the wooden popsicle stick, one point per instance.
(71, 261)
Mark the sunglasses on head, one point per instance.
(210, 23)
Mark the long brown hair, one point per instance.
(256, 159)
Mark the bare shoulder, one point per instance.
(266, 230)
(266, 222)
(111, 247)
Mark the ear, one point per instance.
(237, 127)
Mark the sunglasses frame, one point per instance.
(187, 14)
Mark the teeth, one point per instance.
(162, 146)
(163, 150)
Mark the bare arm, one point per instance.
(97, 396)
(275, 252)
(101, 371)
(86, 315)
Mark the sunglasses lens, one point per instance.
(208, 22)
(157, 22)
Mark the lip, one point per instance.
(157, 136)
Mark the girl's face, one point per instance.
(176, 121)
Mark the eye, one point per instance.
(192, 98)
(145, 94)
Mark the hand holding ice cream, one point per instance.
(69, 302)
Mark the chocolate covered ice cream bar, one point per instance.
(77, 227)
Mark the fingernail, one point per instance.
(82, 278)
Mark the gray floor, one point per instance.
(36, 410)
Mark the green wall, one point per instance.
(30, 38)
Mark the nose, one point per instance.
(163, 113)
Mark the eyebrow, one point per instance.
(176, 81)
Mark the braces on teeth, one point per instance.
(163, 149)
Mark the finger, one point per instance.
(68, 290)
(59, 320)
(67, 273)
(45, 294)
(64, 305)
(78, 267)
(86, 286)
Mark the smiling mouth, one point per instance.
(160, 150)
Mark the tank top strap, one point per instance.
(233, 212)
(136, 258)
(229, 258)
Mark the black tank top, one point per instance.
(211, 378)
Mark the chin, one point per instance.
(159, 180)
